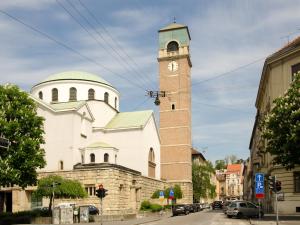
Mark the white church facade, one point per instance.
(83, 125)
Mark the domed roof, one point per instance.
(76, 75)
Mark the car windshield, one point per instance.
(232, 205)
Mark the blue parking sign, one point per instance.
(259, 185)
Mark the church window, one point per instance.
(173, 106)
(106, 157)
(297, 182)
(61, 165)
(90, 190)
(172, 46)
(73, 94)
(54, 95)
(91, 94)
(116, 102)
(115, 159)
(106, 95)
(92, 158)
(40, 95)
(82, 158)
(151, 163)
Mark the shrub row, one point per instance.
(147, 206)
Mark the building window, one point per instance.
(91, 94)
(90, 190)
(151, 163)
(82, 158)
(106, 157)
(172, 46)
(297, 182)
(173, 106)
(61, 165)
(106, 95)
(116, 102)
(295, 70)
(115, 159)
(54, 95)
(73, 94)
(40, 95)
(92, 158)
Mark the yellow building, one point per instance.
(276, 78)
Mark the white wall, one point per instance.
(101, 112)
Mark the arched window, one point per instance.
(116, 159)
(54, 95)
(106, 95)
(116, 102)
(40, 95)
(61, 165)
(92, 158)
(173, 106)
(106, 157)
(91, 94)
(73, 94)
(172, 46)
(151, 163)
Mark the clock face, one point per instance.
(173, 66)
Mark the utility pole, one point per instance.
(276, 201)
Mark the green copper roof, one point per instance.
(172, 26)
(67, 105)
(76, 75)
(99, 145)
(129, 119)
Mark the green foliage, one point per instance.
(177, 192)
(220, 164)
(66, 189)
(146, 205)
(20, 124)
(201, 176)
(156, 207)
(281, 127)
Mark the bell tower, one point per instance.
(175, 109)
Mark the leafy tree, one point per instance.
(231, 159)
(63, 188)
(20, 124)
(220, 164)
(201, 176)
(281, 127)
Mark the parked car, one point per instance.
(93, 210)
(240, 209)
(225, 206)
(180, 209)
(191, 208)
(217, 205)
(197, 207)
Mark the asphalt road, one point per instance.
(206, 217)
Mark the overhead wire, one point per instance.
(68, 48)
(97, 20)
(83, 27)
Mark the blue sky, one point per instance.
(226, 36)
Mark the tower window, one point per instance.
(106, 95)
(92, 158)
(73, 94)
(106, 157)
(172, 46)
(91, 94)
(61, 165)
(173, 106)
(116, 102)
(54, 95)
(40, 95)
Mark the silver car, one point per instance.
(241, 209)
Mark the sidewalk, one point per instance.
(270, 219)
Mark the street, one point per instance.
(206, 217)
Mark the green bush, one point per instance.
(155, 207)
(167, 206)
(146, 205)
(23, 217)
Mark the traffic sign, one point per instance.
(259, 185)
(171, 194)
(161, 196)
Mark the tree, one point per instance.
(230, 159)
(281, 127)
(62, 188)
(201, 176)
(177, 192)
(20, 124)
(220, 164)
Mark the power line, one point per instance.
(112, 38)
(68, 48)
(140, 104)
(83, 27)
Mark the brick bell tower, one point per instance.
(175, 109)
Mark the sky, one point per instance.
(118, 40)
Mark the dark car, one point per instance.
(217, 205)
(180, 209)
(197, 207)
(93, 210)
(225, 206)
(191, 208)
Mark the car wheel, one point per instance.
(187, 212)
(229, 216)
(239, 215)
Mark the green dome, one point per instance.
(76, 75)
